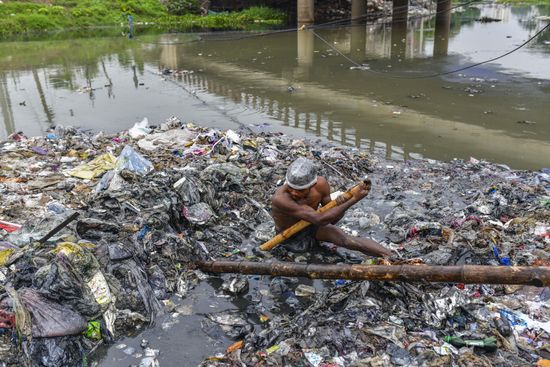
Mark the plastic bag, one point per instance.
(58, 282)
(133, 161)
(57, 352)
(6, 251)
(301, 174)
(139, 129)
(36, 228)
(50, 319)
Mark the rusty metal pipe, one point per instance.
(469, 274)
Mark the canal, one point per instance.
(403, 101)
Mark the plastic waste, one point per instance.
(502, 260)
(95, 168)
(139, 129)
(198, 214)
(6, 252)
(232, 322)
(36, 228)
(426, 229)
(303, 290)
(503, 326)
(488, 344)
(57, 352)
(235, 285)
(301, 174)
(93, 330)
(9, 227)
(50, 319)
(144, 247)
(133, 161)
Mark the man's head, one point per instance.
(300, 177)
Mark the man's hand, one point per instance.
(361, 191)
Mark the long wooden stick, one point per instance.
(295, 228)
(468, 274)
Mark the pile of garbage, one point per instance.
(98, 232)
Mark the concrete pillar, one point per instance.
(398, 40)
(399, 29)
(306, 12)
(358, 11)
(5, 106)
(400, 10)
(358, 42)
(305, 51)
(442, 28)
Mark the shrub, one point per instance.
(263, 13)
(182, 7)
(151, 8)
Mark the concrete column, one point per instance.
(306, 12)
(358, 42)
(305, 50)
(400, 10)
(399, 29)
(442, 28)
(358, 11)
(5, 106)
(398, 40)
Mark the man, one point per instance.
(300, 197)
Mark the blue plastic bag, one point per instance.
(133, 161)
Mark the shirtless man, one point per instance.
(300, 197)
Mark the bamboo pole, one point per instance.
(295, 228)
(468, 274)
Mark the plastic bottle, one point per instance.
(488, 344)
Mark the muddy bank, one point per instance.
(152, 201)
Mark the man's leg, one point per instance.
(333, 234)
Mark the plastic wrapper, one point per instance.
(95, 167)
(301, 174)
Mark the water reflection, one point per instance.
(308, 86)
(442, 28)
(5, 105)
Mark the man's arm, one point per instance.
(326, 199)
(308, 214)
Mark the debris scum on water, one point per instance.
(153, 200)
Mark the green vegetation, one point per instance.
(20, 17)
(182, 7)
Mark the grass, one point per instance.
(20, 18)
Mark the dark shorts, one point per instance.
(302, 241)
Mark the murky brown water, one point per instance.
(498, 111)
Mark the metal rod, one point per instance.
(64, 224)
(468, 274)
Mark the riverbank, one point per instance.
(151, 201)
(23, 18)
